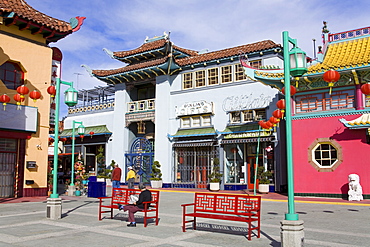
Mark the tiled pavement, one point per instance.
(327, 222)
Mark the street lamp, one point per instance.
(80, 131)
(54, 203)
(295, 65)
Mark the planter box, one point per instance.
(214, 186)
(156, 184)
(263, 188)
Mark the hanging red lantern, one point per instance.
(293, 90)
(19, 99)
(63, 139)
(22, 90)
(4, 99)
(234, 150)
(365, 89)
(281, 105)
(269, 124)
(274, 120)
(331, 76)
(82, 137)
(277, 113)
(91, 133)
(263, 125)
(51, 139)
(35, 95)
(52, 91)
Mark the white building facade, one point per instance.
(186, 110)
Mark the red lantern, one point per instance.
(274, 120)
(331, 76)
(63, 139)
(293, 90)
(22, 90)
(263, 125)
(52, 91)
(91, 133)
(277, 113)
(281, 105)
(269, 124)
(35, 95)
(365, 89)
(19, 99)
(51, 139)
(82, 137)
(4, 99)
(234, 150)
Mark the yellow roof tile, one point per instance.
(344, 55)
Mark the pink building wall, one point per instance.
(355, 156)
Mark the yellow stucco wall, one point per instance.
(36, 59)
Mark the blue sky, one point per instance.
(120, 25)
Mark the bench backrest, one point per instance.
(122, 195)
(226, 203)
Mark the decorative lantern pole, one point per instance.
(56, 131)
(294, 65)
(80, 131)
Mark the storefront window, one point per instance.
(234, 163)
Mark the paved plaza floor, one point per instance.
(327, 222)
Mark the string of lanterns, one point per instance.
(20, 96)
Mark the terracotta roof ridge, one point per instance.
(247, 48)
(130, 67)
(142, 48)
(22, 9)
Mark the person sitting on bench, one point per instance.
(145, 196)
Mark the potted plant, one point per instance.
(215, 177)
(106, 173)
(263, 179)
(156, 175)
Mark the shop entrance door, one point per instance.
(7, 164)
(251, 171)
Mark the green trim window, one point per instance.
(213, 77)
(187, 81)
(255, 63)
(200, 78)
(325, 154)
(226, 74)
(247, 116)
(239, 72)
(196, 121)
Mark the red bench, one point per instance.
(122, 196)
(233, 207)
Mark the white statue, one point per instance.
(355, 189)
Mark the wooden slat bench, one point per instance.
(233, 207)
(122, 196)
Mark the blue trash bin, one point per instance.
(92, 179)
(96, 189)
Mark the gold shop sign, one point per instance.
(247, 135)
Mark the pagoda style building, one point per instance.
(188, 110)
(26, 66)
(330, 121)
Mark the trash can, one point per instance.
(96, 189)
(92, 179)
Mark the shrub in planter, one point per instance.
(156, 175)
(215, 177)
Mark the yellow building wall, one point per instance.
(36, 59)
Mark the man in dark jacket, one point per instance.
(145, 196)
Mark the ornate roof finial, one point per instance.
(325, 28)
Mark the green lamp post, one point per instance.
(71, 97)
(80, 131)
(295, 65)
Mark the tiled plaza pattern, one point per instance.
(327, 222)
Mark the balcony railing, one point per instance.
(141, 105)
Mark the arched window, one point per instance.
(11, 75)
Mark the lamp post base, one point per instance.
(292, 234)
(71, 190)
(54, 208)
